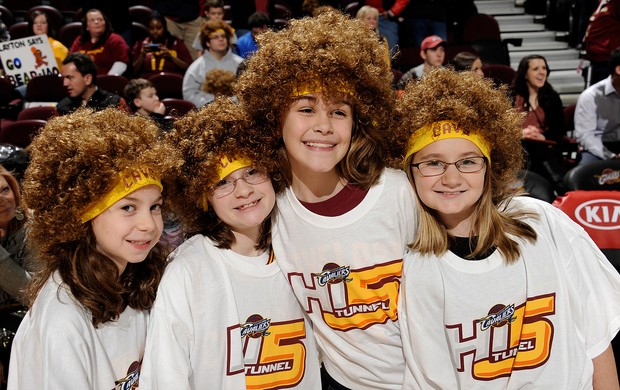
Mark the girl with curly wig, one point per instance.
(323, 87)
(94, 188)
(225, 316)
(499, 290)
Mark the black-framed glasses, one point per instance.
(226, 187)
(438, 167)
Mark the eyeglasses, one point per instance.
(226, 187)
(464, 165)
(217, 36)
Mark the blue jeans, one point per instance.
(418, 29)
(389, 29)
(587, 157)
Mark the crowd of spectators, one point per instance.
(207, 42)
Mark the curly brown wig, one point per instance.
(75, 161)
(211, 26)
(219, 82)
(220, 129)
(477, 106)
(338, 53)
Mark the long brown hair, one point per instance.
(346, 59)
(76, 160)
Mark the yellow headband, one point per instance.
(315, 86)
(130, 180)
(219, 30)
(437, 131)
(226, 167)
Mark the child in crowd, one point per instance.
(143, 100)
(499, 291)
(225, 316)
(94, 187)
(344, 221)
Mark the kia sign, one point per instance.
(601, 214)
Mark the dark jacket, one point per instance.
(101, 99)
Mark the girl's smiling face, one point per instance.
(248, 205)
(130, 228)
(317, 134)
(452, 194)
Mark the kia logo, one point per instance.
(601, 214)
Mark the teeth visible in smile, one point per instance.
(245, 206)
(319, 145)
(139, 242)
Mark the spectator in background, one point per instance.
(389, 12)
(433, 52)
(215, 36)
(108, 50)
(4, 31)
(597, 116)
(602, 36)
(160, 51)
(258, 22)
(142, 98)
(370, 15)
(15, 261)
(79, 75)
(114, 11)
(214, 10)
(182, 18)
(466, 61)
(38, 24)
(544, 121)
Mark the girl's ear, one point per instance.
(137, 102)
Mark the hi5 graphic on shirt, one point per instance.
(351, 298)
(274, 353)
(508, 339)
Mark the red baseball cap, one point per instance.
(432, 42)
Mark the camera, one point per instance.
(150, 47)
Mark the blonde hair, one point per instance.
(319, 50)
(477, 106)
(362, 12)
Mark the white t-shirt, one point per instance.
(57, 346)
(486, 324)
(345, 271)
(226, 321)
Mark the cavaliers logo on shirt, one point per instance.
(130, 381)
(332, 274)
(255, 326)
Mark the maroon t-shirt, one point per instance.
(344, 201)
